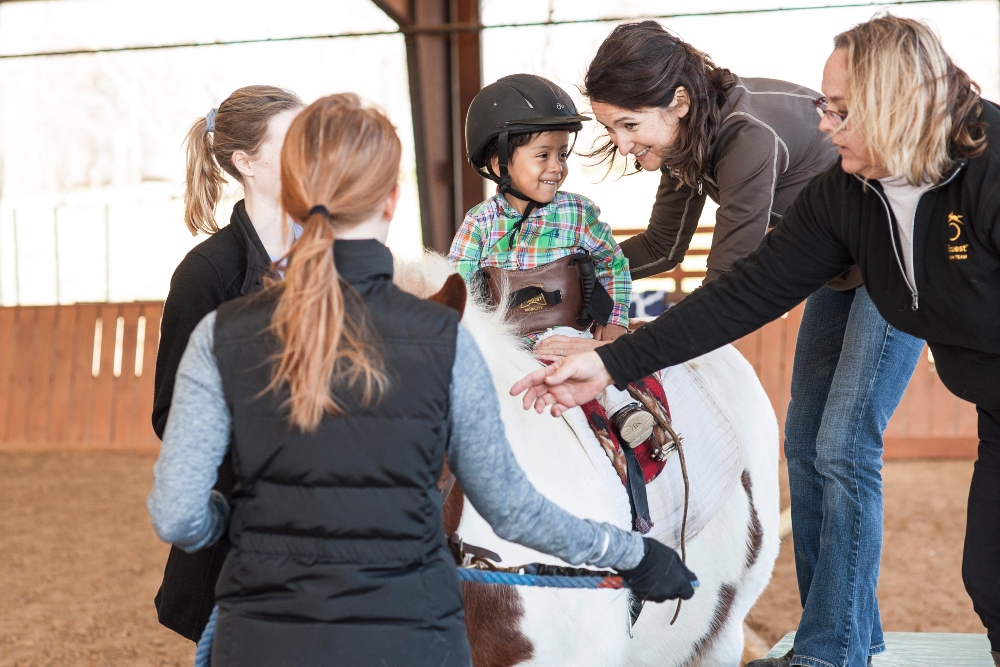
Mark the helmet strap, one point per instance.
(502, 158)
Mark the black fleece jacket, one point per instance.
(839, 220)
(231, 263)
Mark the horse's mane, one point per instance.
(423, 276)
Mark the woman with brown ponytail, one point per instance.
(241, 139)
(340, 396)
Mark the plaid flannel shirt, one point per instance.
(566, 224)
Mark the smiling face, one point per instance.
(538, 168)
(646, 134)
(854, 153)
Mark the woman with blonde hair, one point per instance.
(913, 201)
(240, 139)
(340, 397)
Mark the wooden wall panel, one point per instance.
(122, 413)
(20, 379)
(50, 397)
(142, 426)
(8, 332)
(40, 392)
(103, 395)
(63, 365)
(82, 380)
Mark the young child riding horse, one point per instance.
(572, 274)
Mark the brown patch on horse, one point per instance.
(724, 606)
(452, 294)
(454, 501)
(755, 536)
(492, 613)
(492, 621)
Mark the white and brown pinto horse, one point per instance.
(731, 447)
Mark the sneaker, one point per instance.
(783, 661)
(786, 661)
(633, 424)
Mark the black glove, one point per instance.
(660, 575)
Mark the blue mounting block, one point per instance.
(921, 649)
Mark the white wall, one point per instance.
(83, 134)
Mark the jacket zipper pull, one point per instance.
(914, 306)
(699, 187)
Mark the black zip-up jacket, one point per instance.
(230, 263)
(839, 220)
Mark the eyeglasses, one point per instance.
(835, 117)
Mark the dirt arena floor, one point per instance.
(79, 562)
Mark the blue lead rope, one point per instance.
(542, 580)
(204, 650)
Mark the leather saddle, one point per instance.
(564, 292)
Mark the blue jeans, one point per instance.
(851, 369)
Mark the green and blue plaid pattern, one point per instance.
(568, 223)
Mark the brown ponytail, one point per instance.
(345, 156)
(240, 125)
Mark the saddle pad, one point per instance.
(599, 422)
(713, 453)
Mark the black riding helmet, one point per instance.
(512, 105)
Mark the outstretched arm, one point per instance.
(485, 466)
(795, 259)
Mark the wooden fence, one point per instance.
(78, 377)
(81, 378)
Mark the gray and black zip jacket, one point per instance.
(768, 147)
(840, 220)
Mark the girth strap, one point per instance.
(637, 492)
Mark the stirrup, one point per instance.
(633, 424)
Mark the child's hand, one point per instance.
(608, 333)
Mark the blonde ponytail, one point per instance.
(204, 181)
(343, 156)
(240, 124)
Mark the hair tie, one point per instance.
(210, 120)
(319, 208)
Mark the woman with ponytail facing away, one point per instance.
(241, 139)
(339, 397)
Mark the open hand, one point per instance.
(565, 384)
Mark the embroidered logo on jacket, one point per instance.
(957, 226)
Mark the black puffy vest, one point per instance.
(338, 551)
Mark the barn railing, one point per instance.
(80, 377)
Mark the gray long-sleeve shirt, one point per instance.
(186, 512)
